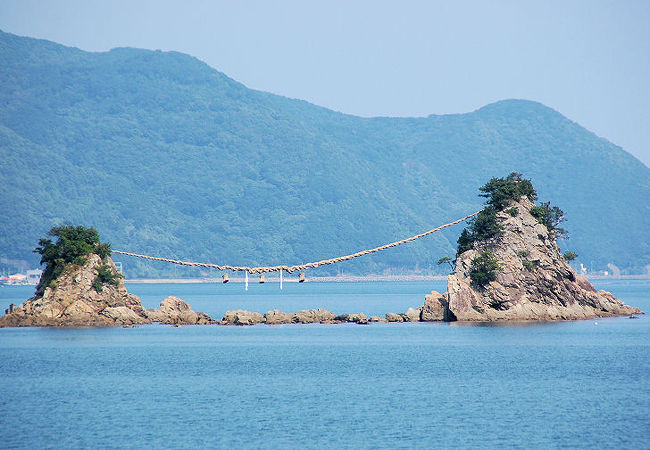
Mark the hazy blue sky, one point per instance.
(590, 60)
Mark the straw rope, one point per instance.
(298, 267)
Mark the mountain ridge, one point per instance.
(168, 156)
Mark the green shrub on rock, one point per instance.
(483, 227)
(570, 256)
(484, 268)
(514, 212)
(501, 191)
(105, 275)
(550, 217)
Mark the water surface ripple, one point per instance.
(570, 384)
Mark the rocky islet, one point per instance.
(533, 283)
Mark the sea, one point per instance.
(579, 384)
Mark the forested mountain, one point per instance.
(167, 156)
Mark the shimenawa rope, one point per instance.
(299, 267)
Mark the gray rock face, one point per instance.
(276, 317)
(75, 303)
(534, 283)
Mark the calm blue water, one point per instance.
(573, 384)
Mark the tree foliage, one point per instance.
(484, 268)
(482, 227)
(570, 256)
(105, 275)
(447, 260)
(501, 191)
(550, 217)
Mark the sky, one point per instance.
(589, 60)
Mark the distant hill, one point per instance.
(167, 156)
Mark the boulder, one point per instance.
(376, 319)
(277, 317)
(412, 314)
(392, 317)
(359, 318)
(241, 317)
(436, 307)
(313, 316)
(174, 311)
(125, 315)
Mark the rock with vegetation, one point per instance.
(81, 287)
(509, 266)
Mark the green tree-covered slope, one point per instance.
(167, 156)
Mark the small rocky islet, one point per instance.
(514, 272)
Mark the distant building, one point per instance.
(34, 276)
(17, 278)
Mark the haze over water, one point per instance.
(565, 384)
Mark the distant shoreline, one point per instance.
(341, 279)
(291, 279)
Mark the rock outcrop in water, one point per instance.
(174, 311)
(73, 300)
(533, 282)
(276, 317)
